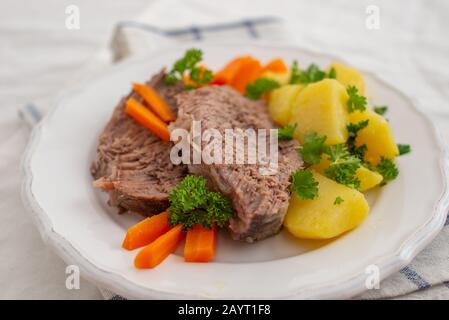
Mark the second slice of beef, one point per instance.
(260, 202)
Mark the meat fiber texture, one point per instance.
(260, 202)
(132, 164)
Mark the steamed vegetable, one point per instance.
(249, 71)
(281, 102)
(200, 244)
(148, 119)
(322, 107)
(276, 65)
(348, 76)
(154, 101)
(154, 253)
(377, 137)
(146, 231)
(230, 71)
(324, 217)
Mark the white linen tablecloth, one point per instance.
(410, 49)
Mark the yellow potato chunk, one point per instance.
(322, 218)
(377, 136)
(368, 178)
(281, 77)
(349, 76)
(322, 107)
(281, 102)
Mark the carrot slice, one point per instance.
(230, 71)
(200, 244)
(146, 231)
(154, 253)
(154, 101)
(249, 71)
(276, 65)
(147, 119)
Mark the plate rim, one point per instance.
(343, 288)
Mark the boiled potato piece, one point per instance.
(281, 77)
(368, 178)
(377, 136)
(281, 102)
(349, 76)
(322, 107)
(321, 218)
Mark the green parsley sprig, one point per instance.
(260, 86)
(356, 102)
(189, 64)
(387, 169)
(343, 166)
(380, 110)
(404, 149)
(304, 184)
(312, 74)
(353, 130)
(312, 148)
(191, 203)
(286, 133)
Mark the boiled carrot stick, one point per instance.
(276, 65)
(200, 244)
(146, 231)
(229, 71)
(154, 253)
(249, 71)
(154, 101)
(147, 119)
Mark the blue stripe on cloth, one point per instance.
(414, 277)
(251, 29)
(117, 297)
(447, 220)
(446, 283)
(33, 111)
(197, 30)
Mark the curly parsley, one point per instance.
(356, 102)
(313, 73)
(387, 169)
(304, 184)
(353, 130)
(259, 87)
(313, 147)
(189, 64)
(286, 133)
(343, 166)
(191, 203)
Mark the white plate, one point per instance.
(74, 219)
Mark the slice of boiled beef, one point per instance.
(132, 164)
(259, 201)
